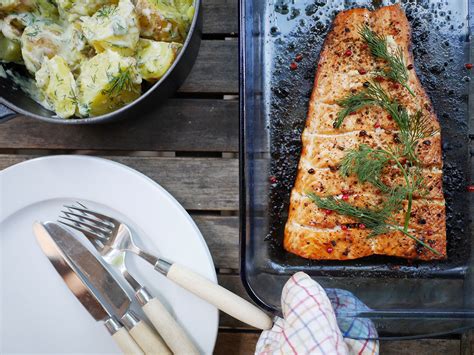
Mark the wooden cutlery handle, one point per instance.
(126, 343)
(149, 341)
(173, 334)
(220, 297)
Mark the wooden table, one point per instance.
(190, 147)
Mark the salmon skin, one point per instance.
(345, 66)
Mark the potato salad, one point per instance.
(91, 57)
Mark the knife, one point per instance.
(87, 278)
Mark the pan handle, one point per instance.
(6, 114)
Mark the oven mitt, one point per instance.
(310, 326)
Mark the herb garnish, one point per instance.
(106, 11)
(368, 163)
(121, 81)
(396, 69)
(378, 220)
(413, 128)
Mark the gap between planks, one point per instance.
(179, 125)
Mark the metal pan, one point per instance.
(14, 102)
(405, 297)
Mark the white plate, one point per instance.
(38, 313)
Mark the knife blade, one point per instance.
(77, 266)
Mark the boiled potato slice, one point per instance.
(41, 8)
(75, 47)
(45, 39)
(39, 41)
(154, 58)
(46, 9)
(107, 82)
(10, 50)
(58, 86)
(185, 7)
(8, 6)
(12, 26)
(72, 9)
(161, 21)
(113, 27)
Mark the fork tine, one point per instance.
(88, 234)
(80, 204)
(93, 213)
(93, 228)
(95, 242)
(96, 222)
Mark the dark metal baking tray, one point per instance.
(405, 297)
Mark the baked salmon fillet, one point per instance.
(348, 66)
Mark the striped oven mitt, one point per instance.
(310, 325)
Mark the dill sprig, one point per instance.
(119, 82)
(372, 95)
(378, 220)
(374, 219)
(367, 164)
(106, 11)
(352, 103)
(413, 128)
(396, 69)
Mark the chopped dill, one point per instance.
(121, 81)
(106, 11)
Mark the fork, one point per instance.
(112, 235)
(165, 324)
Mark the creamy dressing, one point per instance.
(27, 85)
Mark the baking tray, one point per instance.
(404, 298)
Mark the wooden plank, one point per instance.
(216, 69)
(178, 125)
(222, 237)
(197, 183)
(235, 343)
(421, 347)
(244, 343)
(467, 343)
(220, 16)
